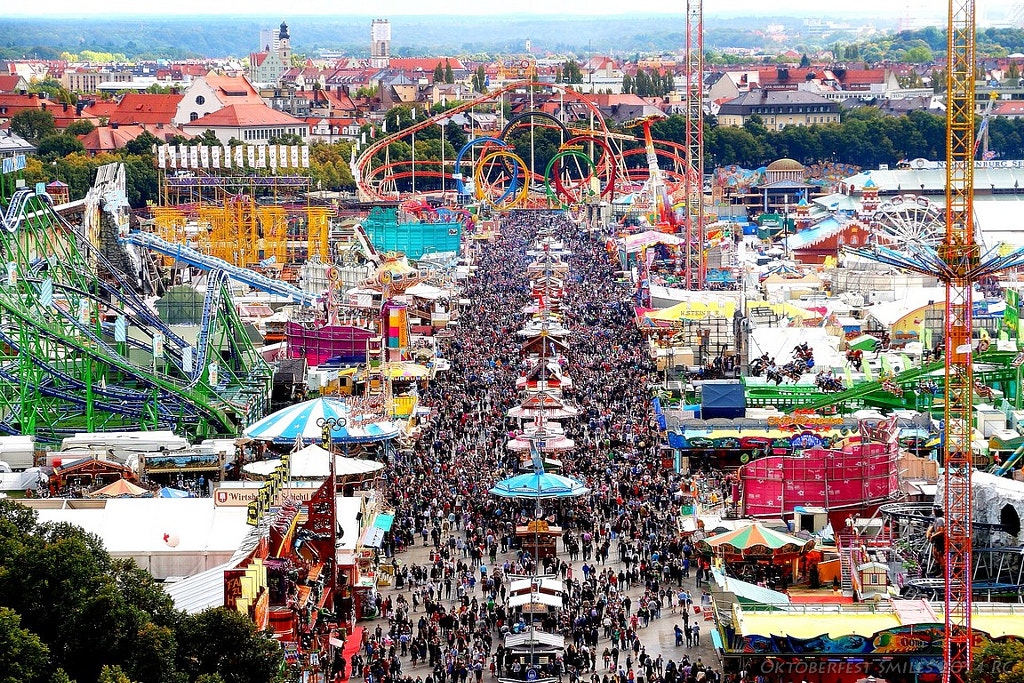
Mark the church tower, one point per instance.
(284, 46)
(380, 44)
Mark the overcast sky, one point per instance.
(419, 7)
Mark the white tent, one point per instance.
(166, 536)
(313, 462)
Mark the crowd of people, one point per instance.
(449, 614)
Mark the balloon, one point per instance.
(172, 540)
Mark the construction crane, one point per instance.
(696, 265)
(962, 257)
(958, 262)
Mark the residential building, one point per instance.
(778, 109)
(13, 83)
(145, 108)
(12, 145)
(254, 124)
(63, 113)
(88, 80)
(267, 67)
(213, 92)
(334, 130)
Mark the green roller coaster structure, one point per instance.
(992, 368)
(84, 352)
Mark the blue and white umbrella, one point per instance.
(300, 422)
(540, 485)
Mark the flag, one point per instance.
(215, 156)
(272, 152)
(193, 157)
(239, 151)
(304, 152)
(384, 126)
(227, 157)
(261, 156)
(373, 132)
(161, 153)
(204, 156)
(413, 113)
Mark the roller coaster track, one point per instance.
(873, 393)
(61, 372)
(210, 263)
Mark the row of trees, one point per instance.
(652, 83)
(71, 613)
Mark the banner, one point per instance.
(46, 292)
(250, 156)
(161, 156)
(261, 156)
(215, 156)
(121, 329)
(272, 153)
(187, 363)
(193, 156)
(182, 156)
(158, 345)
(295, 156)
(239, 151)
(227, 157)
(12, 273)
(305, 156)
(204, 156)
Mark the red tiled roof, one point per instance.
(240, 115)
(108, 138)
(9, 83)
(101, 108)
(256, 58)
(146, 108)
(422, 63)
(63, 114)
(234, 89)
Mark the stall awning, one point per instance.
(535, 598)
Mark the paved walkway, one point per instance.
(657, 638)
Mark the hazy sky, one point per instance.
(419, 7)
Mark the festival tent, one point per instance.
(300, 421)
(118, 489)
(165, 537)
(756, 541)
(539, 485)
(314, 462)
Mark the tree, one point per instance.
(805, 62)
(54, 146)
(449, 75)
(999, 663)
(33, 124)
(627, 84)
(571, 72)
(438, 73)
(23, 655)
(286, 139)
(223, 642)
(80, 127)
(480, 80)
(142, 144)
(1012, 73)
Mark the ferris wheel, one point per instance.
(909, 219)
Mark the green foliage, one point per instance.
(571, 73)
(54, 146)
(449, 75)
(999, 663)
(69, 612)
(285, 139)
(480, 80)
(224, 642)
(80, 127)
(33, 124)
(438, 73)
(23, 655)
(805, 62)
